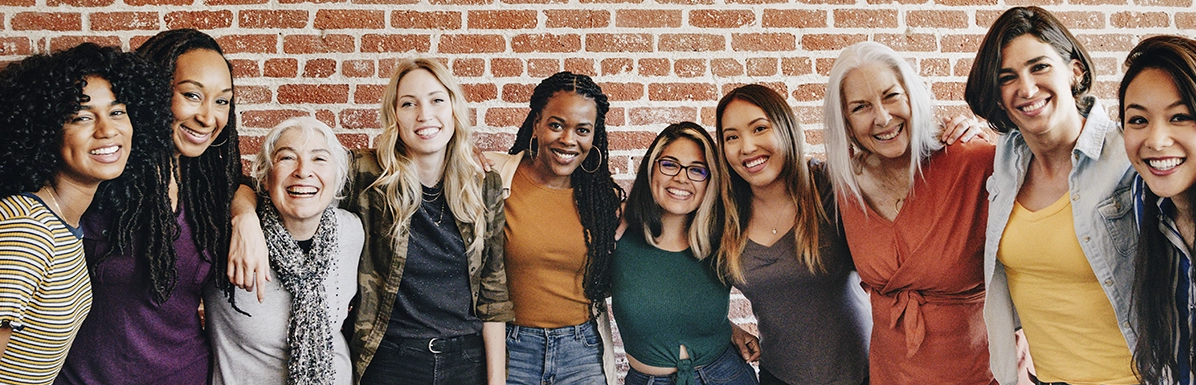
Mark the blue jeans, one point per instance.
(569, 355)
(728, 369)
(396, 363)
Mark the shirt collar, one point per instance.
(1167, 226)
(1092, 136)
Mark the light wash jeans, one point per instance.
(728, 369)
(568, 355)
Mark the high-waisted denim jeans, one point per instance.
(569, 355)
(728, 369)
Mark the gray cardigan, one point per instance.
(254, 350)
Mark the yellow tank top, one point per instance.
(1068, 320)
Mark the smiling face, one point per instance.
(302, 177)
(564, 132)
(877, 110)
(96, 139)
(751, 144)
(1159, 132)
(424, 112)
(203, 94)
(679, 195)
(1036, 87)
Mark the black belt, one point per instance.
(444, 345)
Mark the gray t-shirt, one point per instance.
(813, 328)
(253, 350)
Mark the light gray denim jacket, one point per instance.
(1102, 207)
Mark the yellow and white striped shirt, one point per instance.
(45, 292)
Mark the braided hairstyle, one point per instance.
(596, 194)
(206, 187)
(41, 92)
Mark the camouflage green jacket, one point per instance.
(382, 260)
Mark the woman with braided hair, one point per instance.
(71, 121)
(155, 238)
(557, 181)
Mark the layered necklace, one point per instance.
(427, 197)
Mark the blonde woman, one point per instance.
(433, 296)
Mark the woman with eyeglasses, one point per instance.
(668, 299)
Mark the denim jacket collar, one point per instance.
(1090, 144)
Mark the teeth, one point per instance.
(427, 131)
(1165, 164)
(1034, 106)
(757, 162)
(302, 190)
(195, 133)
(892, 134)
(564, 155)
(105, 151)
(680, 193)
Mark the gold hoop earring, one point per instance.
(583, 163)
(532, 145)
(221, 143)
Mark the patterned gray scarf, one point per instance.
(302, 275)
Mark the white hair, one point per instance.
(840, 144)
(262, 164)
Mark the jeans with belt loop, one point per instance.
(437, 361)
(567, 355)
(728, 369)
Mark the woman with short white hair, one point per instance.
(294, 335)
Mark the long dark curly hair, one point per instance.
(596, 195)
(1156, 268)
(40, 93)
(140, 209)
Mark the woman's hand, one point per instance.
(622, 221)
(963, 128)
(748, 344)
(494, 340)
(248, 259)
(480, 156)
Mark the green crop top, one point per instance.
(665, 299)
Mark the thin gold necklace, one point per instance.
(54, 200)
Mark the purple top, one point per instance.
(127, 338)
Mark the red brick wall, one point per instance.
(660, 61)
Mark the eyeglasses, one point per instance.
(696, 173)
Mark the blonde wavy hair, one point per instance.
(398, 183)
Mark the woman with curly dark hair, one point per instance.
(68, 121)
(558, 182)
(156, 238)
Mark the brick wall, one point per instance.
(660, 61)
